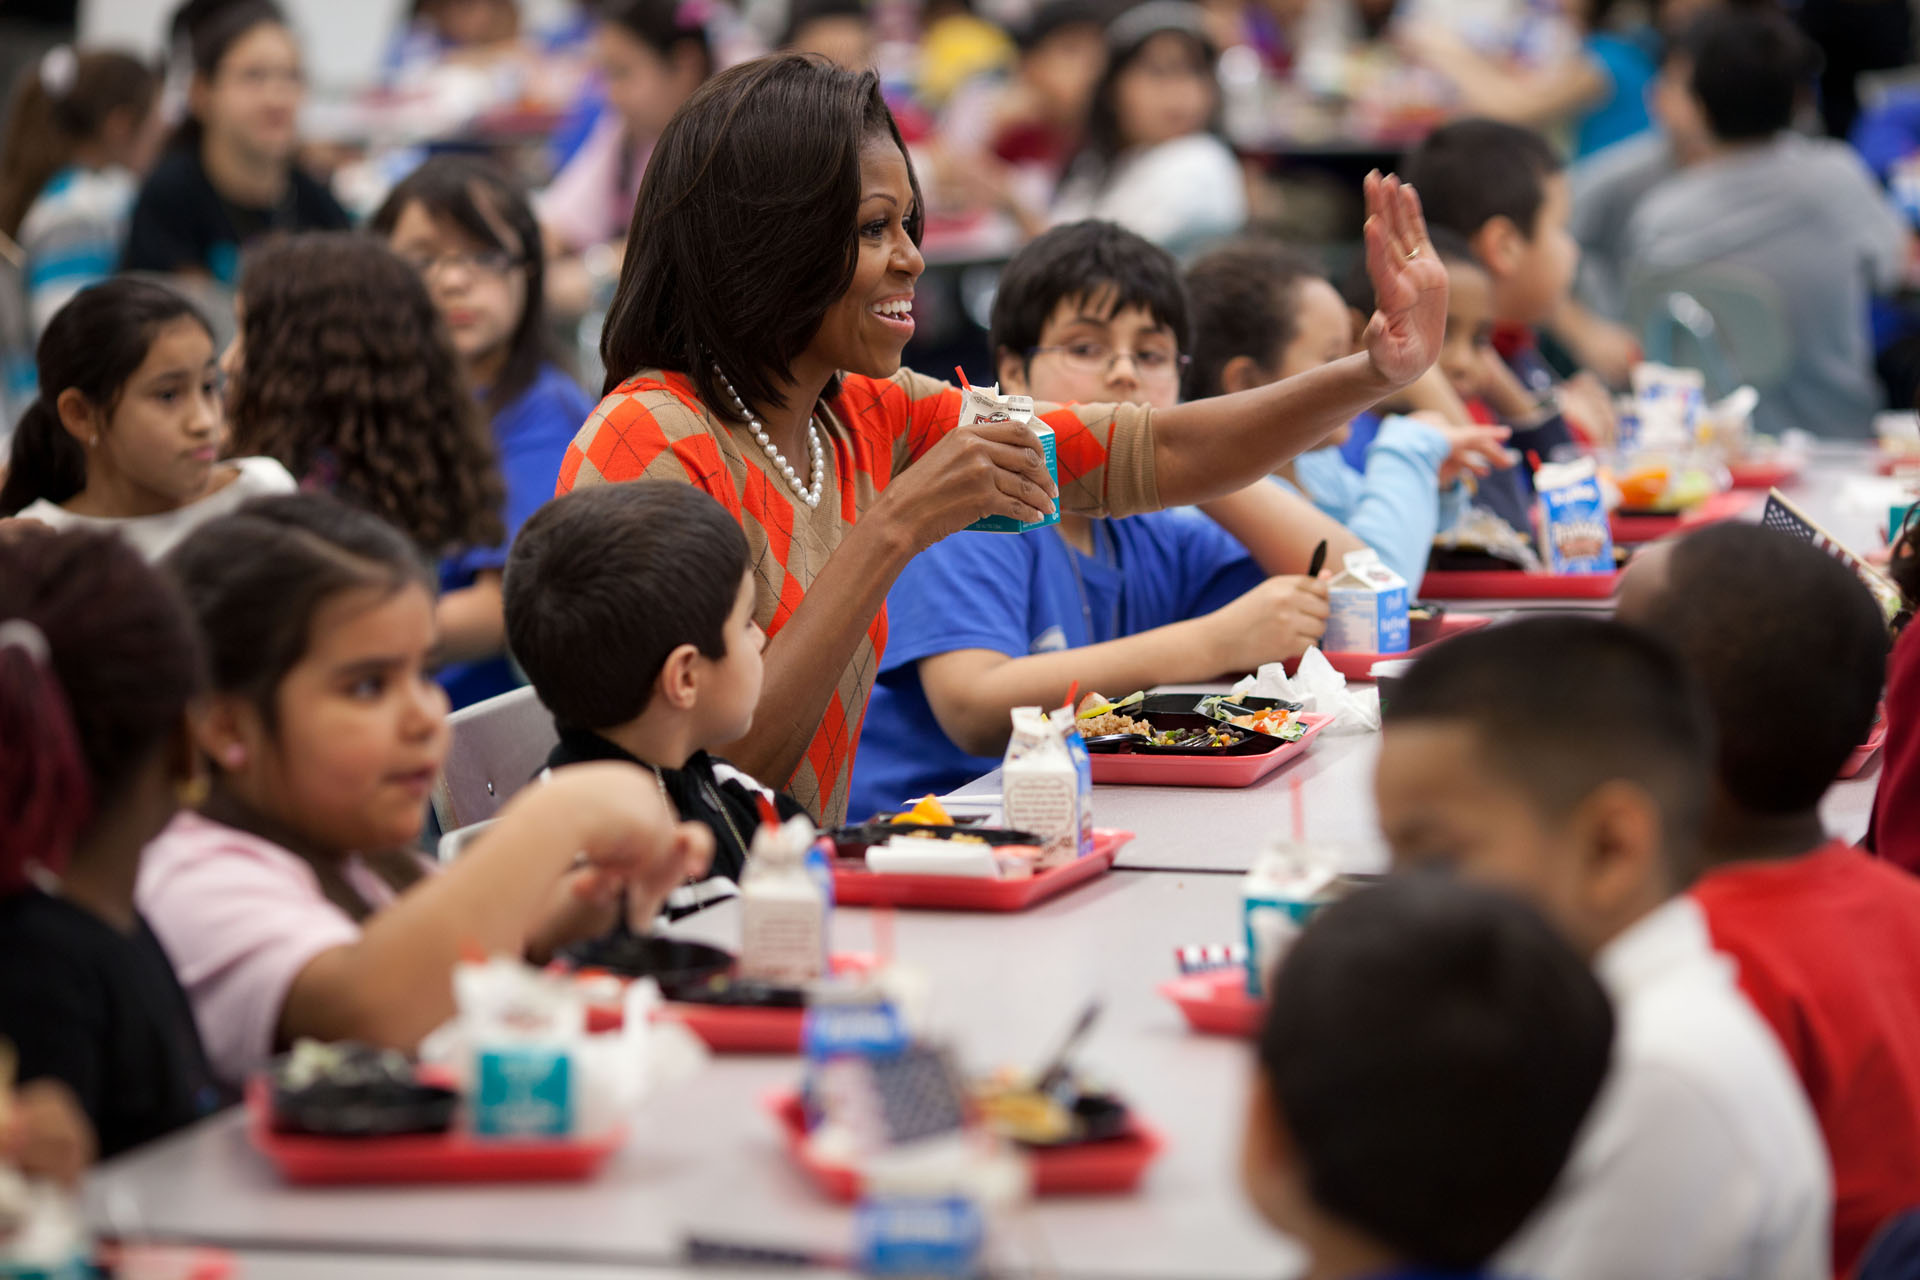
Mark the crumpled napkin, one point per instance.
(1320, 689)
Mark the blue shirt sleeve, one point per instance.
(530, 438)
(1395, 506)
(967, 591)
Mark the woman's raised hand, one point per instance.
(984, 469)
(1409, 284)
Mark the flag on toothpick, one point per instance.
(1782, 515)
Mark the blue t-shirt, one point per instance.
(530, 437)
(1019, 596)
(1622, 114)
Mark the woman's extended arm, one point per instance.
(1280, 530)
(1208, 448)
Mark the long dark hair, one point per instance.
(255, 580)
(92, 345)
(1127, 38)
(63, 102)
(351, 381)
(479, 199)
(98, 660)
(745, 232)
(209, 41)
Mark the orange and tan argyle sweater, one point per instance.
(654, 426)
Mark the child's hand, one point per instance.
(1279, 619)
(1474, 450)
(1409, 284)
(49, 1135)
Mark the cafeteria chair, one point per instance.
(496, 747)
(1728, 322)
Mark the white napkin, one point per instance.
(1320, 689)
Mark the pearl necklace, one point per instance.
(809, 493)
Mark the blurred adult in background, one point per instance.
(229, 176)
(81, 131)
(1802, 214)
(651, 55)
(1153, 158)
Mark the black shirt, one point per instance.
(101, 1011)
(706, 790)
(180, 223)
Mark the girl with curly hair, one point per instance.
(342, 369)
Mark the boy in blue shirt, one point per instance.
(1261, 314)
(981, 623)
(1430, 1052)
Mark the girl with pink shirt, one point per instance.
(293, 903)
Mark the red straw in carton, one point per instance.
(1073, 692)
(961, 373)
(769, 816)
(1299, 810)
(1533, 459)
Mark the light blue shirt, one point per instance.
(1395, 506)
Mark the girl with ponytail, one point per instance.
(81, 133)
(98, 661)
(127, 430)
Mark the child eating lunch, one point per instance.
(981, 623)
(630, 608)
(1791, 650)
(292, 903)
(1430, 1051)
(1570, 760)
(1261, 313)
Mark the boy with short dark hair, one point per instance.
(1430, 1052)
(1505, 191)
(630, 608)
(1569, 759)
(1804, 218)
(1791, 651)
(981, 623)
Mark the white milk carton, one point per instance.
(986, 404)
(784, 910)
(1287, 884)
(1046, 784)
(1367, 607)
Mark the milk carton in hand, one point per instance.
(1288, 883)
(784, 909)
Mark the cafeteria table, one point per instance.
(705, 1158)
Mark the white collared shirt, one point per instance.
(1701, 1159)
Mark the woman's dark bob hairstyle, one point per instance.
(746, 229)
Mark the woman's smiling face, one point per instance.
(865, 331)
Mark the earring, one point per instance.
(94, 441)
(192, 792)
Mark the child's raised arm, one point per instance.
(394, 985)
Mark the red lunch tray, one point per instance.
(453, 1156)
(1632, 528)
(855, 887)
(1110, 1167)
(1763, 475)
(1504, 584)
(1142, 770)
(1216, 1003)
(1863, 753)
(732, 1029)
(1359, 666)
(1898, 464)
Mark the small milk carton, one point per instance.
(986, 404)
(1667, 404)
(1574, 534)
(1047, 784)
(784, 911)
(1367, 608)
(1287, 884)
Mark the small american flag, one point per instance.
(1780, 514)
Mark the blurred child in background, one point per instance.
(343, 370)
(81, 131)
(229, 177)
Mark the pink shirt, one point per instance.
(240, 917)
(587, 204)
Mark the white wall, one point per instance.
(344, 39)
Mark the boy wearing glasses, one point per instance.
(981, 623)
